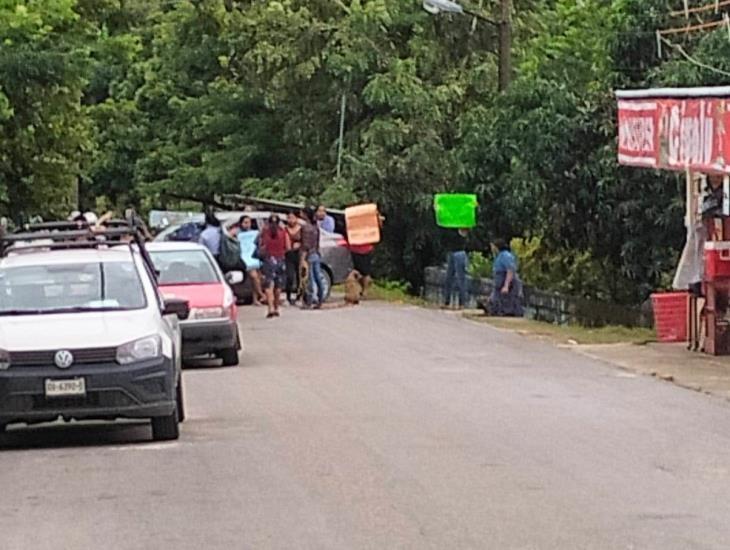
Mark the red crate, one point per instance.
(670, 316)
(717, 260)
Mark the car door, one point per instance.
(170, 324)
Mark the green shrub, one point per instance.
(480, 265)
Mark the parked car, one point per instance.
(189, 271)
(85, 333)
(336, 259)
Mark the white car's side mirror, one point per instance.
(234, 277)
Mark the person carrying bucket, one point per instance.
(456, 213)
(457, 265)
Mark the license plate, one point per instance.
(66, 388)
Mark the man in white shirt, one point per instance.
(324, 220)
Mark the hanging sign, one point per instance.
(675, 129)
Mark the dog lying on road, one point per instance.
(353, 288)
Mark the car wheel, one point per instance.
(180, 402)
(229, 357)
(166, 428)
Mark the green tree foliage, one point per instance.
(44, 135)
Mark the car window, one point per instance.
(57, 288)
(184, 267)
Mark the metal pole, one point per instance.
(77, 193)
(343, 107)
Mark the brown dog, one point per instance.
(353, 288)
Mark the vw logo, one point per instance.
(64, 359)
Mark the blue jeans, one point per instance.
(315, 278)
(456, 277)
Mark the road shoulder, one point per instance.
(669, 362)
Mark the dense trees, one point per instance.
(127, 101)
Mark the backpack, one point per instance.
(230, 254)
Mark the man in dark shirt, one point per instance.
(310, 254)
(457, 265)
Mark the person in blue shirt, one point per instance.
(211, 235)
(324, 220)
(248, 237)
(506, 299)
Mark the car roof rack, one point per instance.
(70, 235)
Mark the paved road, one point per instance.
(386, 427)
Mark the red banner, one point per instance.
(675, 134)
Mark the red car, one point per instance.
(189, 271)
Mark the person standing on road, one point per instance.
(248, 238)
(324, 220)
(362, 262)
(310, 254)
(294, 229)
(457, 266)
(506, 299)
(211, 235)
(274, 243)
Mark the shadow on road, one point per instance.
(203, 364)
(60, 435)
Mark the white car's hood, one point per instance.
(75, 330)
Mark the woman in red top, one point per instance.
(274, 244)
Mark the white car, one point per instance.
(85, 334)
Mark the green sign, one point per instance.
(456, 211)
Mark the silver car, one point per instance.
(336, 258)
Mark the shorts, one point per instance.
(274, 271)
(363, 263)
(253, 264)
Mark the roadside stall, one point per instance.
(688, 130)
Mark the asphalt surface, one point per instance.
(386, 427)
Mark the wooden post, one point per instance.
(505, 44)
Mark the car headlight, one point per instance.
(4, 359)
(201, 313)
(139, 350)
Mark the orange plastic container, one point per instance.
(670, 316)
(363, 224)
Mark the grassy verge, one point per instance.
(390, 291)
(570, 334)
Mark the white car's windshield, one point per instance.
(59, 288)
(184, 267)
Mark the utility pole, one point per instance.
(504, 25)
(505, 44)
